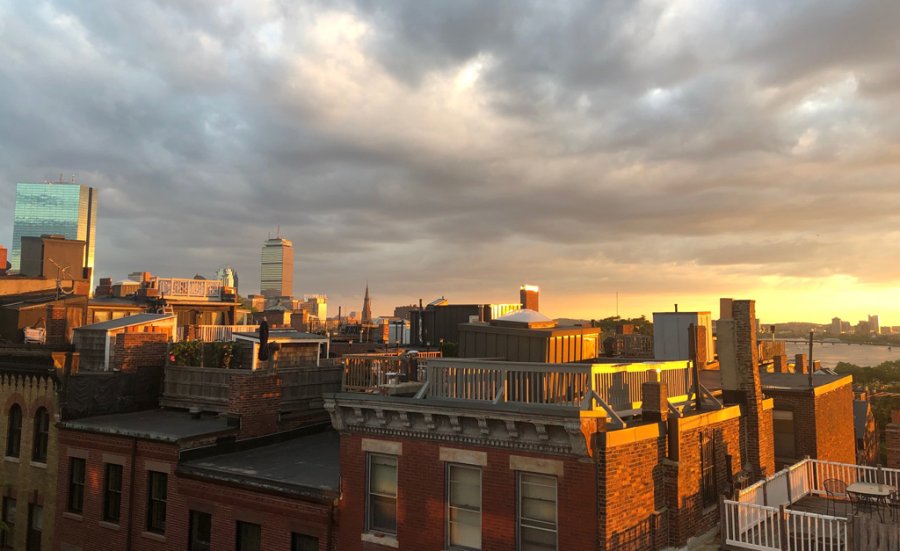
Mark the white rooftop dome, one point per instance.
(525, 316)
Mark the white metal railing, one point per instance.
(751, 526)
(813, 532)
(618, 385)
(849, 474)
(174, 287)
(210, 333)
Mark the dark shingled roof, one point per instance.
(307, 466)
(152, 424)
(860, 416)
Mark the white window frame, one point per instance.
(521, 521)
(369, 458)
(448, 506)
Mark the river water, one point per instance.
(859, 354)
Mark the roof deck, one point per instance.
(615, 388)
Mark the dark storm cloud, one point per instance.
(433, 146)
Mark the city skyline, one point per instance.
(667, 152)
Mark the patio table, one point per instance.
(871, 494)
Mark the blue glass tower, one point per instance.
(69, 210)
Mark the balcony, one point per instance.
(796, 509)
(189, 289)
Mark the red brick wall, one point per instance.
(254, 397)
(56, 325)
(835, 436)
(85, 530)
(136, 350)
(421, 495)
(634, 488)
(279, 516)
(823, 424)
(892, 441)
(688, 516)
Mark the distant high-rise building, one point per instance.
(836, 326)
(318, 306)
(528, 297)
(69, 210)
(367, 308)
(874, 325)
(276, 274)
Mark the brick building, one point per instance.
(28, 393)
(491, 455)
(892, 440)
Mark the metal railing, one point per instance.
(212, 333)
(175, 287)
(569, 385)
(367, 372)
(849, 474)
(751, 526)
(765, 528)
(208, 387)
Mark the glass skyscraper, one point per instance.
(63, 209)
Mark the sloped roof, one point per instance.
(127, 321)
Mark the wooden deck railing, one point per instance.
(366, 372)
(207, 387)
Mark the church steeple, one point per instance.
(367, 308)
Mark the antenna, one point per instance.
(278, 231)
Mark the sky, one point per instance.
(667, 151)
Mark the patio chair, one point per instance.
(835, 489)
(894, 503)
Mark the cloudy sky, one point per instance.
(670, 151)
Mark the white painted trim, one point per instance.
(387, 540)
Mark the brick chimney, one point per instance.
(253, 401)
(780, 363)
(738, 359)
(800, 363)
(136, 350)
(654, 401)
(56, 325)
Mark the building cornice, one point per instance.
(556, 433)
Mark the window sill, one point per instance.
(12, 459)
(108, 525)
(387, 540)
(154, 536)
(38, 465)
(73, 516)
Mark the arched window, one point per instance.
(41, 435)
(14, 431)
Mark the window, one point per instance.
(785, 447)
(381, 497)
(200, 533)
(112, 493)
(708, 468)
(8, 536)
(302, 542)
(35, 527)
(537, 512)
(247, 537)
(156, 501)
(41, 435)
(463, 507)
(76, 485)
(14, 431)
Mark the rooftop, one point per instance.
(282, 335)
(153, 424)
(712, 379)
(525, 317)
(307, 465)
(127, 321)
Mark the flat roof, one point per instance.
(308, 465)
(151, 424)
(127, 321)
(281, 335)
(712, 380)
